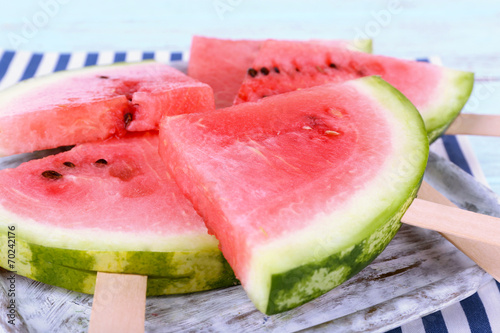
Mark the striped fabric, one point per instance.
(479, 313)
(17, 66)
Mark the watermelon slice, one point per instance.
(302, 189)
(94, 103)
(222, 63)
(107, 206)
(438, 93)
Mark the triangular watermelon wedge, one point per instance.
(302, 189)
(94, 103)
(107, 206)
(222, 63)
(438, 93)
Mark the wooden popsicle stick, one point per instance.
(119, 303)
(454, 221)
(485, 255)
(475, 124)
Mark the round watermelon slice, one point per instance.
(95, 103)
(222, 63)
(438, 93)
(108, 206)
(302, 189)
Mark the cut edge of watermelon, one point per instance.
(361, 45)
(287, 278)
(454, 90)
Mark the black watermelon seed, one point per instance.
(104, 77)
(69, 164)
(276, 69)
(101, 162)
(297, 69)
(332, 65)
(252, 72)
(127, 118)
(51, 174)
(264, 70)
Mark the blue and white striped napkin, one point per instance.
(478, 313)
(22, 65)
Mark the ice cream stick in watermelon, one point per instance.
(454, 221)
(475, 124)
(119, 303)
(483, 254)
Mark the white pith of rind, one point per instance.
(448, 100)
(96, 239)
(339, 231)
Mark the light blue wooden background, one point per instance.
(466, 34)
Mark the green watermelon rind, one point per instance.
(361, 45)
(296, 269)
(452, 94)
(170, 272)
(285, 291)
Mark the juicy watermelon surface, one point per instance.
(108, 206)
(280, 66)
(82, 184)
(94, 103)
(223, 63)
(280, 183)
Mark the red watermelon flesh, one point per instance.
(94, 103)
(279, 180)
(281, 66)
(222, 63)
(108, 206)
(115, 185)
(257, 201)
